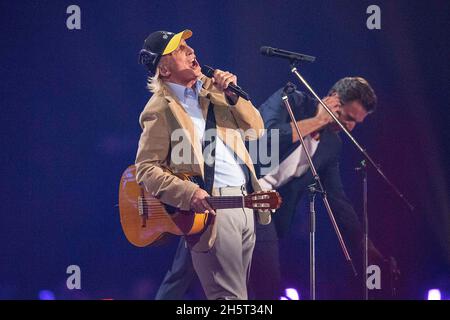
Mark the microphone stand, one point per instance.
(363, 170)
(312, 242)
(358, 146)
(294, 70)
(316, 187)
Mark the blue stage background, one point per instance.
(70, 101)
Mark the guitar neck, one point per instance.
(226, 202)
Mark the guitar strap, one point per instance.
(209, 149)
(210, 155)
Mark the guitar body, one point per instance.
(145, 220)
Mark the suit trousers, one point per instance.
(224, 269)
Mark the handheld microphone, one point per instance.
(293, 56)
(209, 72)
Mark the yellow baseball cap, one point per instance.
(160, 43)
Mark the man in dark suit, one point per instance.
(351, 99)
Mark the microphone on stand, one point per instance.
(209, 72)
(280, 53)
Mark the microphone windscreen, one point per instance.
(266, 51)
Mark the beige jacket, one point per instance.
(164, 114)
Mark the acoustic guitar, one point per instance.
(145, 220)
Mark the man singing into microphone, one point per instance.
(185, 101)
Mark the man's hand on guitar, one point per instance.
(199, 203)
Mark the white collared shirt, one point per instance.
(295, 165)
(227, 171)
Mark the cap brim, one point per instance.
(176, 39)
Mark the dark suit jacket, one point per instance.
(326, 160)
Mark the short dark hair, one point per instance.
(356, 88)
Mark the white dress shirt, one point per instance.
(295, 165)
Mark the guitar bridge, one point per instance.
(141, 206)
(142, 212)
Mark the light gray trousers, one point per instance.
(224, 269)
